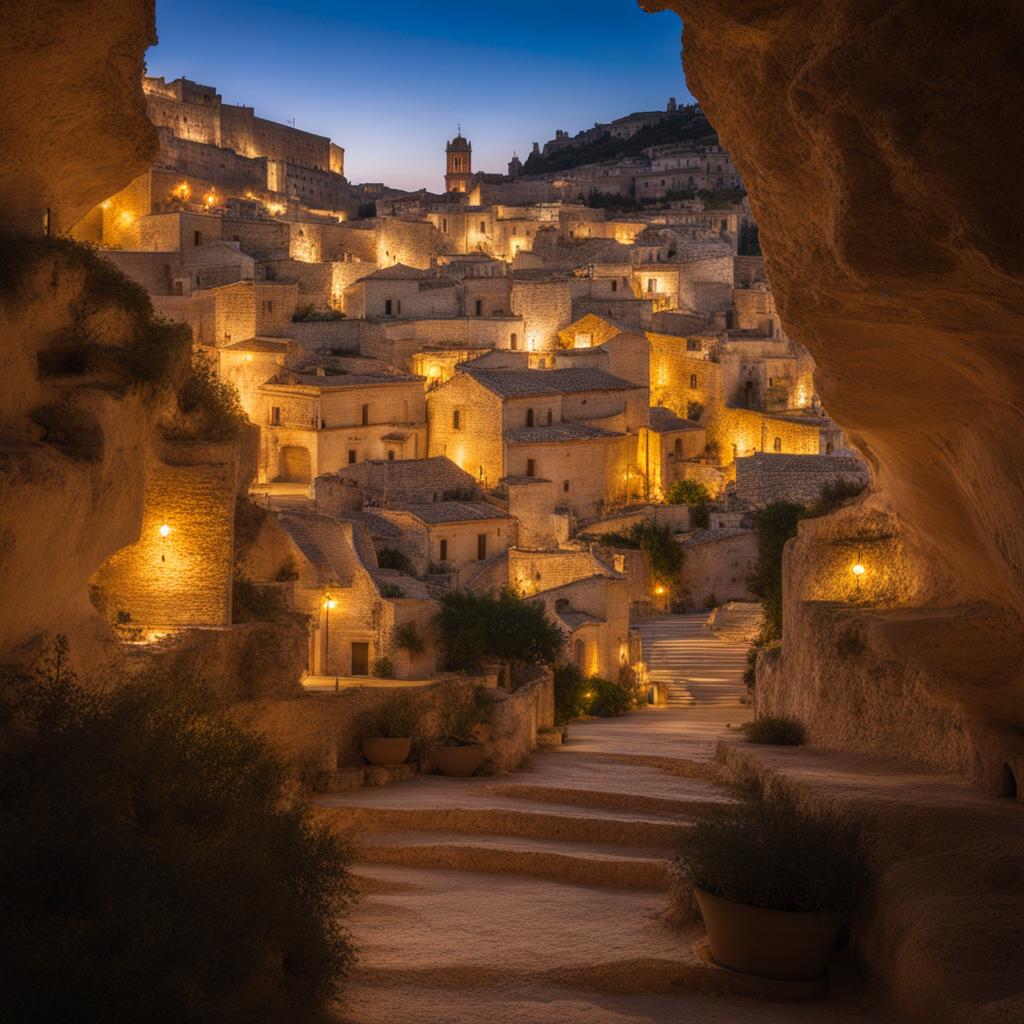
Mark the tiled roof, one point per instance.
(526, 383)
(576, 619)
(397, 272)
(557, 432)
(341, 380)
(663, 420)
(453, 511)
(259, 345)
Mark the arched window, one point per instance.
(579, 651)
(777, 444)
(679, 448)
(529, 417)
(550, 418)
(693, 380)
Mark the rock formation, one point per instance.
(73, 127)
(876, 143)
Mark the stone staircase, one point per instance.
(692, 664)
(539, 896)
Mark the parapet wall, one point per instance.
(318, 732)
(762, 479)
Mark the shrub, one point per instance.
(500, 625)
(209, 405)
(775, 525)
(779, 732)
(463, 712)
(750, 671)
(407, 638)
(287, 571)
(392, 558)
(696, 495)
(835, 493)
(130, 889)
(570, 688)
(663, 555)
(395, 718)
(606, 699)
(384, 667)
(311, 314)
(251, 602)
(391, 590)
(772, 853)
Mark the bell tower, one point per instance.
(459, 174)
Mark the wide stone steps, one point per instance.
(498, 818)
(577, 863)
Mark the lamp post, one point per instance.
(858, 570)
(329, 603)
(165, 532)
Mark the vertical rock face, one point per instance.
(878, 143)
(73, 126)
(86, 371)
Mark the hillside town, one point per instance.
(492, 386)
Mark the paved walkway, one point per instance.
(692, 664)
(537, 897)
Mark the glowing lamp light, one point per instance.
(858, 570)
(183, 190)
(248, 357)
(165, 530)
(588, 696)
(329, 603)
(210, 198)
(659, 590)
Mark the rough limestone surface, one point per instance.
(73, 126)
(872, 139)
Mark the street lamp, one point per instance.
(858, 570)
(165, 532)
(329, 604)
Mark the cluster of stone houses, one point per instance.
(457, 393)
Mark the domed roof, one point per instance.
(459, 142)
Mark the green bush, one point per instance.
(395, 718)
(407, 638)
(775, 525)
(500, 625)
(384, 667)
(696, 495)
(772, 853)
(392, 558)
(779, 732)
(464, 710)
(606, 698)
(311, 314)
(251, 602)
(750, 670)
(392, 590)
(662, 553)
(153, 866)
(835, 493)
(209, 405)
(570, 688)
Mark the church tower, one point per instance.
(459, 176)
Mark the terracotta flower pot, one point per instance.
(779, 944)
(381, 751)
(459, 762)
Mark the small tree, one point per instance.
(500, 624)
(692, 493)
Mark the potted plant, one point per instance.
(464, 710)
(387, 730)
(774, 884)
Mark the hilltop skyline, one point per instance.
(373, 101)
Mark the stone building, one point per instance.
(313, 424)
(578, 428)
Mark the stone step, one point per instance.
(576, 863)
(505, 816)
(346, 779)
(612, 798)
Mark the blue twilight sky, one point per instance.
(390, 81)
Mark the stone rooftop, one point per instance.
(557, 432)
(334, 381)
(452, 511)
(663, 420)
(526, 383)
